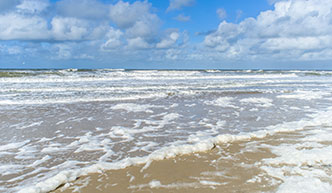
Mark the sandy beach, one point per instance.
(236, 167)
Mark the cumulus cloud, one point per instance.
(182, 18)
(169, 41)
(29, 22)
(221, 12)
(113, 40)
(294, 29)
(126, 15)
(86, 29)
(25, 22)
(143, 28)
(69, 28)
(179, 4)
(19, 27)
(140, 25)
(138, 43)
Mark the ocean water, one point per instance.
(58, 125)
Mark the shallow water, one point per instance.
(58, 125)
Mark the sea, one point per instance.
(57, 126)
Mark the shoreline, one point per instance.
(254, 165)
(227, 167)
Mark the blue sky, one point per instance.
(177, 34)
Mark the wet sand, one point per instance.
(231, 167)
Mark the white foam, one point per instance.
(32, 125)
(53, 148)
(132, 107)
(175, 150)
(302, 184)
(304, 166)
(318, 135)
(305, 95)
(90, 143)
(222, 102)
(170, 117)
(79, 100)
(217, 173)
(138, 76)
(155, 184)
(40, 161)
(8, 169)
(210, 183)
(301, 154)
(13, 145)
(260, 102)
(26, 152)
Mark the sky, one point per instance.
(166, 34)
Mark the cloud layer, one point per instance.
(68, 25)
(122, 31)
(293, 30)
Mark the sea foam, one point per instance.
(205, 145)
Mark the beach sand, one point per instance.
(233, 167)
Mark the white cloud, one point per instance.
(173, 54)
(138, 43)
(125, 15)
(33, 6)
(141, 26)
(67, 33)
(182, 18)
(28, 21)
(65, 51)
(169, 41)
(294, 29)
(221, 12)
(179, 4)
(69, 28)
(113, 40)
(86, 29)
(19, 27)
(24, 22)
(86, 9)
